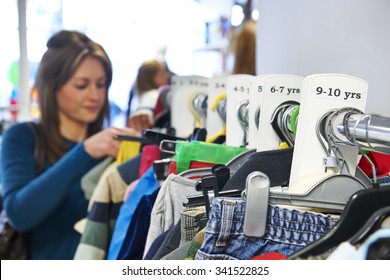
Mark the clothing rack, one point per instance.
(367, 131)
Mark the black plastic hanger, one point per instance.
(361, 206)
(372, 225)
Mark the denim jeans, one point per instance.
(287, 231)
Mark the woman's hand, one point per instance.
(104, 143)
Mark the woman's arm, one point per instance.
(28, 199)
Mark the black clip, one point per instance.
(222, 173)
(206, 184)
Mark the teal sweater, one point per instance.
(46, 206)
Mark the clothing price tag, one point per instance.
(215, 124)
(184, 89)
(321, 94)
(277, 90)
(238, 87)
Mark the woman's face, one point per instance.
(162, 76)
(82, 98)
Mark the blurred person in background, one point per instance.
(152, 74)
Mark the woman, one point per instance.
(45, 198)
(152, 74)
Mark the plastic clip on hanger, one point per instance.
(256, 196)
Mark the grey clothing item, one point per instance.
(179, 253)
(91, 179)
(170, 243)
(169, 205)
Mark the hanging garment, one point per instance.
(179, 253)
(91, 179)
(129, 170)
(381, 163)
(147, 185)
(195, 245)
(169, 205)
(286, 232)
(127, 150)
(193, 219)
(149, 154)
(170, 243)
(156, 245)
(103, 209)
(133, 244)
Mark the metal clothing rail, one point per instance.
(367, 131)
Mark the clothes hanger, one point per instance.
(280, 121)
(187, 151)
(235, 163)
(199, 109)
(361, 206)
(243, 119)
(373, 224)
(329, 194)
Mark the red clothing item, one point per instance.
(380, 161)
(270, 256)
(193, 165)
(150, 153)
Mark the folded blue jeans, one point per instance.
(287, 231)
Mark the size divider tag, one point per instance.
(237, 91)
(183, 89)
(256, 90)
(277, 89)
(322, 93)
(330, 161)
(216, 93)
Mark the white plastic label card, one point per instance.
(237, 109)
(255, 98)
(321, 94)
(184, 89)
(216, 115)
(279, 91)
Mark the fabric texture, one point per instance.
(146, 186)
(192, 221)
(133, 244)
(127, 150)
(287, 231)
(103, 210)
(195, 245)
(90, 180)
(170, 243)
(178, 253)
(129, 169)
(156, 245)
(168, 206)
